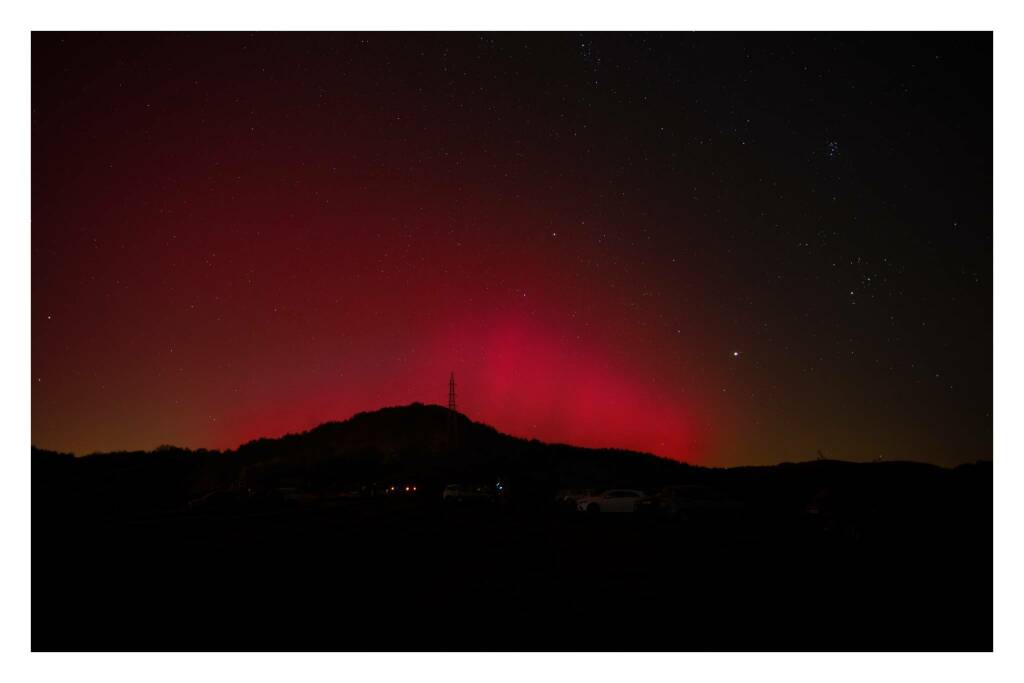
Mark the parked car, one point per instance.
(691, 502)
(457, 493)
(613, 500)
(569, 497)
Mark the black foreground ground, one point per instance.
(408, 573)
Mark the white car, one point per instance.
(457, 493)
(612, 500)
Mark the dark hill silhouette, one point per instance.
(396, 443)
(411, 444)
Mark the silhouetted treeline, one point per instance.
(411, 444)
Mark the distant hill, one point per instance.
(411, 444)
(396, 443)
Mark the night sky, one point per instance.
(726, 249)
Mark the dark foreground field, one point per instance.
(412, 574)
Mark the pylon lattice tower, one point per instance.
(453, 415)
